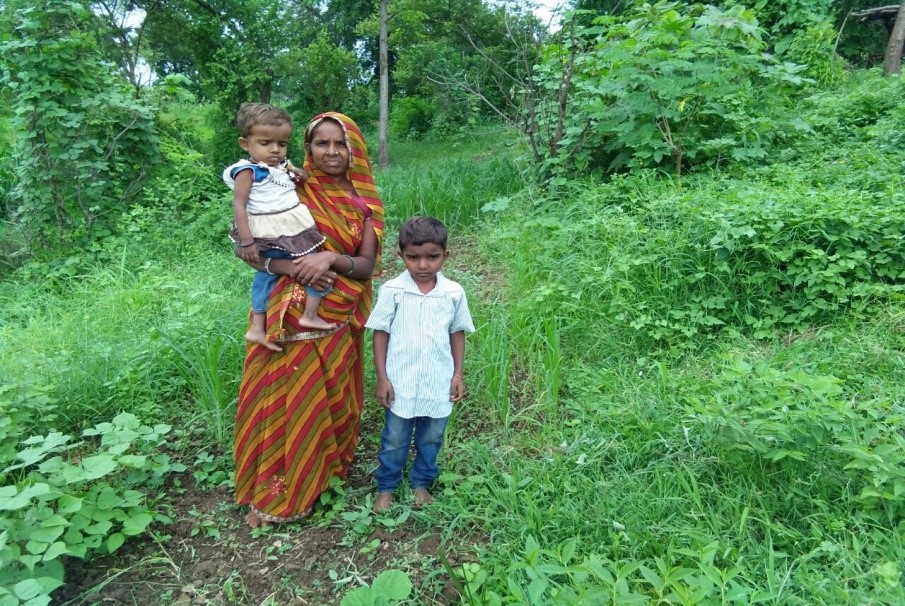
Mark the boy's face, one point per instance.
(267, 143)
(424, 261)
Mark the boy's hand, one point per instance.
(249, 254)
(385, 393)
(456, 389)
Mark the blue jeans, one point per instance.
(395, 442)
(263, 283)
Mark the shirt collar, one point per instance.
(409, 284)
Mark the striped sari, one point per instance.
(297, 423)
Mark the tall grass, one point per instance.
(661, 446)
(96, 338)
(450, 180)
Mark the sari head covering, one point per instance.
(299, 410)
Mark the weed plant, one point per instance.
(727, 427)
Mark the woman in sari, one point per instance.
(297, 423)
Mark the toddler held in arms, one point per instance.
(269, 222)
(419, 322)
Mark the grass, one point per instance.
(597, 461)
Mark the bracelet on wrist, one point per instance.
(252, 243)
(455, 374)
(351, 267)
(267, 261)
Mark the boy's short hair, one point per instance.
(256, 114)
(422, 230)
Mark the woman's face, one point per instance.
(328, 149)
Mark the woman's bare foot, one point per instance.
(255, 521)
(316, 323)
(254, 336)
(423, 497)
(384, 500)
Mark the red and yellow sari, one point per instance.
(297, 423)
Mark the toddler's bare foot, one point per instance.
(255, 521)
(255, 336)
(316, 323)
(423, 497)
(384, 500)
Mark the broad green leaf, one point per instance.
(98, 466)
(28, 589)
(54, 551)
(23, 498)
(362, 596)
(393, 584)
(137, 524)
(46, 534)
(115, 541)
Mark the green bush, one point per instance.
(779, 414)
(84, 142)
(814, 47)
(849, 111)
(61, 498)
(668, 84)
(411, 117)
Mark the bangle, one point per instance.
(252, 243)
(351, 269)
(267, 261)
(455, 374)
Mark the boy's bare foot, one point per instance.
(254, 336)
(316, 323)
(423, 497)
(255, 521)
(384, 500)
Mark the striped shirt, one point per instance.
(419, 357)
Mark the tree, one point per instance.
(84, 143)
(892, 61)
(383, 124)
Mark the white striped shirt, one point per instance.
(419, 357)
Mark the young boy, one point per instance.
(268, 220)
(419, 323)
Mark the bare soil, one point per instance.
(209, 556)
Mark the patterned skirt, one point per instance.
(297, 423)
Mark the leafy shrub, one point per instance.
(411, 117)
(84, 140)
(810, 254)
(814, 47)
(847, 112)
(668, 84)
(787, 414)
(63, 498)
(677, 267)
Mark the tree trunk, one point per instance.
(892, 62)
(383, 155)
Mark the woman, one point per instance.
(297, 421)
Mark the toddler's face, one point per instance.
(267, 143)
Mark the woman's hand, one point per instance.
(314, 269)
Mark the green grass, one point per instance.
(615, 447)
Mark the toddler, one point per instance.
(268, 219)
